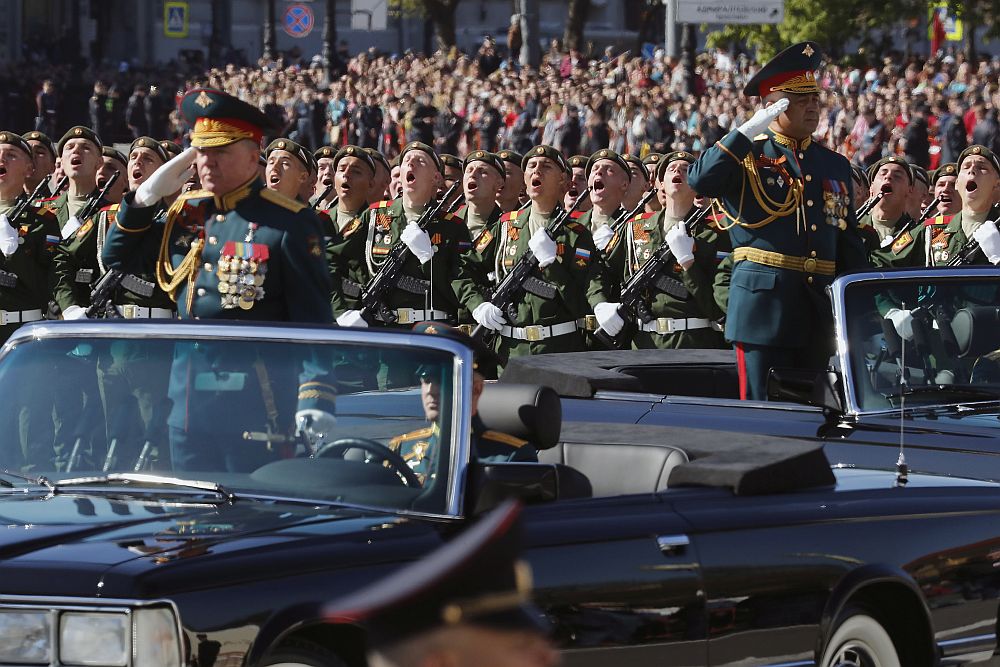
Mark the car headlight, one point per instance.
(157, 643)
(25, 637)
(87, 638)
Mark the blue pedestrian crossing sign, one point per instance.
(298, 20)
(175, 19)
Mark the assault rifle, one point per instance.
(912, 224)
(868, 205)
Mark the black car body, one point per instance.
(649, 545)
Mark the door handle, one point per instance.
(672, 545)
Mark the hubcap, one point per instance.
(854, 653)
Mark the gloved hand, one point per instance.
(317, 425)
(989, 240)
(543, 247)
(166, 180)
(352, 318)
(681, 245)
(902, 320)
(603, 236)
(489, 316)
(70, 227)
(760, 120)
(8, 236)
(418, 242)
(608, 317)
(75, 313)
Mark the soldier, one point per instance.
(324, 177)
(452, 169)
(395, 184)
(637, 185)
(466, 604)
(652, 162)
(80, 157)
(353, 173)
(234, 250)
(577, 183)
(380, 184)
(289, 168)
(922, 196)
(893, 177)
(171, 148)
(943, 186)
(567, 284)
(27, 242)
(482, 180)
(687, 321)
(608, 178)
(513, 194)
(862, 185)
(789, 204)
(113, 161)
(43, 155)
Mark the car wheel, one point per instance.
(860, 641)
(302, 653)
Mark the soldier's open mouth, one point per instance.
(471, 186)
(410, 177)
(327, 182)
(598, 185)
(275, 179)
(3, 170)
(887, 189)
(573, 193)
(536, 182)
(970, 186)
(76, 162)
(677, 180)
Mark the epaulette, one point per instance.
(45, 199)
(111, 206)
(714, 221)
(938, 220)
(449, 217)
(902, 242)
(385, 203)
(460, 209)
(763, 136)
(643, 216)
(575, 226)
(412, 435)
(281, 200)
(504, 438)
(46, 210)
(512, 215)
(576, 214)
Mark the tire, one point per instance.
(302, 653)
(860, 641)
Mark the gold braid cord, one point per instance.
(772, 209)
(169, 278)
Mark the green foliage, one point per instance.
(407, 7)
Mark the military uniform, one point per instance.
(789, 205)
(944, 239)
(76, 268)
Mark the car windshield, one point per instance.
(923, 341)
(357, 423)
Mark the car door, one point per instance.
(619, 580)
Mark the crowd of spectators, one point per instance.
(925, 109)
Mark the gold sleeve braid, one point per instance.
(169, 278)
(772, 209)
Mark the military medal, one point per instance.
(241, 271)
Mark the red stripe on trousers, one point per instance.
(741, 369)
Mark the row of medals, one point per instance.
(240, 281)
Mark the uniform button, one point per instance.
(809, 202)
(201, 291)
(812, 253)
(808, 177)
(801, 156)
(208, 265)
(220, 218)
(812, 228)
(809, 280)
(212, 240)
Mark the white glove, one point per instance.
(902, 320)
(681, 245)
(70, 227)
(989, 240)
(166, 180)
(418, 242)
(352, 318)
(75, 313)
(603, 236)
(489, 316)
(8, 237)
(316, 424)
(760, 120)
(608, 317)
(543, 247)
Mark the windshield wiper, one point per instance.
(131, 478)
(948, 389)
(40, 481)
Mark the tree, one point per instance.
(440, 13)
(575, 20)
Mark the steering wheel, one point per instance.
(339, 448)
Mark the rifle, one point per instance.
(376, 292)
(912, 224)
(633, 305)
(101, 294)
(868, 205)
(23, 204)
(620, 221)
(508, 292)
(91, 207)
(967, 251)
(322, 197)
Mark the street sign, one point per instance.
(730, 11)
(949, 23)
(175, 19)
(298, 20)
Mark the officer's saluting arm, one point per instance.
(133, 237)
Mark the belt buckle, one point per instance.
(404, 316)
(533, 333)
(590, 322)
(664, 325)
(809, 265)
(6, 318)
(129, 311)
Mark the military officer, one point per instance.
(577, 184)
(466, 604)
(380, 184)
(43, 155)
(888, 245)
(418, 447)
(789, 206)
(943, 186)
(608, 178)
(324, 177)
(113, 162)
(289, 168)
(567, 285)
(513, 194)
(234, 250)
(687, 317)
(27, 241)
(652, 162)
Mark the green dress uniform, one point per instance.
(26, 275)
(76, 267)
(885, 250)
(790, 207)
(688, 321)
(945, 238)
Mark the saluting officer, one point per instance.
(789, 204)
(513, 193)
(27, 242)
(234, 250)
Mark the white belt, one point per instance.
(669, 325)
(19, 316)
(536, 332)
(132, 312)
(412, 315)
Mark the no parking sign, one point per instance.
(298, 20)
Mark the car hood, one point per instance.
(87, 544)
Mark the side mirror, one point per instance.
(822, 389)
(490, 484)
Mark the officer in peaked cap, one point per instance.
(465, 604)
(789, 208)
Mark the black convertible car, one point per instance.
(163, 507)
(946, 400)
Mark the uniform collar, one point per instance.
(788, 142)
(228, 201)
